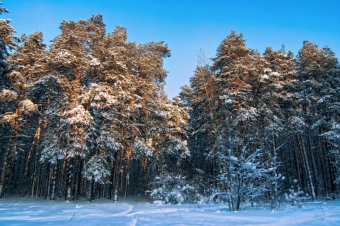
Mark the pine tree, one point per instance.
(318, 72)
(26, 63)
(8, 42)
(201, 98)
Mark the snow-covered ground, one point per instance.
(102, 212)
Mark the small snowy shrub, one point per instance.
(218, 196)
(174, 190)
(296, 197)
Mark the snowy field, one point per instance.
(102, 212)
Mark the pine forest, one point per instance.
(87, 117)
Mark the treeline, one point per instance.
(265, 125)
(88, 117)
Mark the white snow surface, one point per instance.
(130, 213)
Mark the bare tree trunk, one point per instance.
(109, 190)
(54, 175)
(36, 160)
(69, 168)
(90, 191)
(39, 181)
(10, 156)
(311, 154)
(127, 173)
(323, 164)
(115, 180)
(307, 169)
(274, 193)
(24, 178)
(296, 161)
(77, 179)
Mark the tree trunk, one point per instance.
(69, 169)
(90, 191)
(8, 163)
(296, 162)
(311, 154)
(115, 180)
(53, 178)
(308, 172)
(323, 164)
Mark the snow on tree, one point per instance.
(296, 197)
(173, 189)
(243, 176)
(8, 95)
(77, 115)
(8, 42)
(141, 150)
(25, 61)
(96, 169)
(89, 117)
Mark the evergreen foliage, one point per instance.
(88, 117)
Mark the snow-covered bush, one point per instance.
(174, 189)
(296, 197)
(243, 177)
(217, 196)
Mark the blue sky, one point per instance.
(187, 26)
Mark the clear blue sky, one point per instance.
(187, 26)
